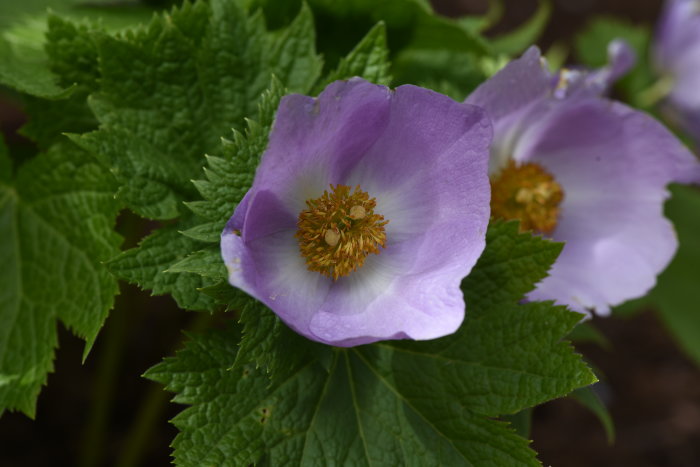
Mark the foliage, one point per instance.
(167, 115)
(676, 293)
(57, 218)
(427, 403)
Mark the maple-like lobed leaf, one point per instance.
(58, 220)
(280, 399)
(170, 91)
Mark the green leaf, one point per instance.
(181, 265)
(349, 413)
(26, 70)
(147, 266)
(591, 47)
(57, 222)
(26, 66)
(590, 400)
(368, 59)
(455, 73)
(170, 91)
(272, 345)
(229, 177)
(390, 403)
(12, 13)
(72, 51)
(152, 183)
(521, 422)
(509, 267)
(516, 41)
(677, 292)
(409, 23)
(206, 263)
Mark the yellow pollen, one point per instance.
(338, 230)
(529, 193)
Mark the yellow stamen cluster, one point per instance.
(529, 193)
(339, 230)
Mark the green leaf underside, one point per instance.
(26, 66)
(590, 400)
(281, 399)
(27, 71)
(58, 221)
(72, 57)
(17, 12)
(170, 91)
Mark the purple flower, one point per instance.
(586, 171)
(368, 208)
(677, 56)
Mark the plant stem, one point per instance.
(105, 384)
(151, 409)
(113, 342)
(656, 92)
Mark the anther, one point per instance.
(331, 237)
(357, 212)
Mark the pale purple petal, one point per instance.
(417, 307)
(518, 84)
(614, 164)
(512, 98)
(582, 81)
(678, 32)
(345, 121)
(677, 57)
(621, 58)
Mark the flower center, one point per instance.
(339, 230)
(529, 193)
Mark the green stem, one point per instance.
(148, 415)
(151, 409)
(105, 384)
(657, 91)
(113, 341)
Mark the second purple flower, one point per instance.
(587, 171)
